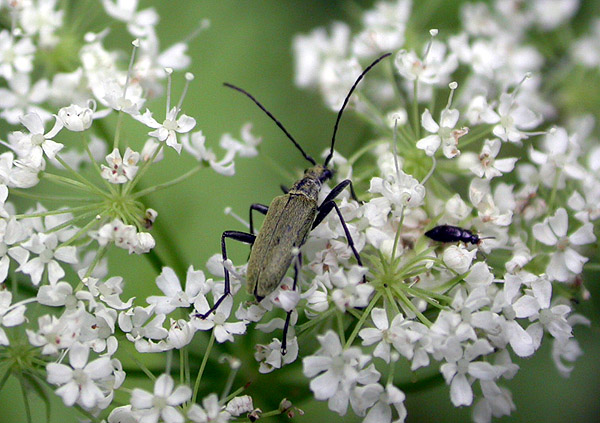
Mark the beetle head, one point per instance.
(319, 172)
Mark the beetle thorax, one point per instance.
(311, 182)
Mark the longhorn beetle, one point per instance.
(288, 219)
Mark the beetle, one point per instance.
(449, 233)
(288, 219)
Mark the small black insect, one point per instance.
(448, 233)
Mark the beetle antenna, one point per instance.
(339, 116)
(251, 97)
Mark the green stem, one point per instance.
(397, 237)
(340, 324)
(361, 151)
(72, 183)
(406, 301)
(305, 326)
(415, 110)
(164, 185)
(203, 365)
(363, 318)
(108, 185)
(117, 137)
(552, 198)
(38, 196)
(25, 398)
(79, 177)
(57, 212)
(83, 230)
(100, 253)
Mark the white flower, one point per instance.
(378, 400)
(80, 381)
(335, 371)
(112, 93)
(514, 119)
(137, 325)
(223, 330)
(567, 349)
(399, 190)
(348, 289)
(108, 291)
(35, 144)
(456, 372)
(49, 252)
(434, 68)
(479, 111)
(586, 205)
(559, 159)
(313, 50)
(402, 334)
(335, 80)
(126, 11)
(181, 333)
(240, 405)
(565, 261)
(22, 98)
(270, 356)
(442, 133)
(170, 126)
(76, 118)
(116, 231)
(486, 165)
(12, 233)
(162, 403)
(496, 402)
(458, 258)
(551, 13)
(384, 27)
(210, 411)
(55, 334)
(536, 306)
(56, 295)
(195, 145)
(120, 170)
(169, 284)
(9, 315)
(15, 57)
(42, 18)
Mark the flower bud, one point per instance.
(76, 118)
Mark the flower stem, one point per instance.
(78, 176)
(211, 342)
(362, 320)
(164, 185)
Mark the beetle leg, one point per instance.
(261, 208)
(339, 188)
(286, 326)
(284, 188)
(238, 236)
(324, 210)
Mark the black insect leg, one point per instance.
(326, 207)
(238, 236)
(286, 326)
(261, 208)
(339, 188)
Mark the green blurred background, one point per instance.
(249, 44)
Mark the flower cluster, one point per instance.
(468, 142)
(67, 145)
(491, 158)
